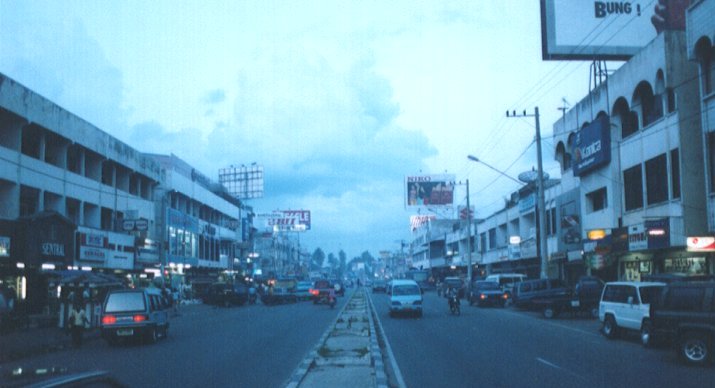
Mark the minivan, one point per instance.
(527, 290)
(134, 313)
(507, 281)
(626, 306)
(405, 297)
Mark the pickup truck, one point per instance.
(583, 297)
(685, 316)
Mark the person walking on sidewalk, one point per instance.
(77, 319)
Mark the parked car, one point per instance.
(302, 290)
(626, 306)
(507, 281)
(405, 297)
(379, 286)
(134, 313)
(685, 316)
(484, 293)
(226, 294)
(583, 297)
(524, 292)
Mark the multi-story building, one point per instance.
(633, 147)
(201, 222)
(71, 196)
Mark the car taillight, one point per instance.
(109, 320)
(482, 296)
(314, 292)
(139, 318)
(505, 296)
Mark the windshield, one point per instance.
(125, 302)
(405, 290)
(487, 285)
(169, 146)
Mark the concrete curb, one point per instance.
(374, 317)
(380, 375)
(302, 370)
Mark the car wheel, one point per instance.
(151, 336)
(695, 348)
(550, 312)
(609, 328)
(646, 336)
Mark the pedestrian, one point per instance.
(76, 320)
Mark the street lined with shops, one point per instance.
(261, 346)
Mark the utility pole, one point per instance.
(541, 210)
(469, 244)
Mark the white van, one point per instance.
(507, 281)
(405, 297)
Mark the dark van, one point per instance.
(527, 290)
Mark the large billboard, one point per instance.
(429, 190)
(592, 146)
(588, 29)
(244, 182)
(283, 221)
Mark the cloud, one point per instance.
(214, 97)
(58, 58)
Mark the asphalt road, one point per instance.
(248, 346)
(506, 347)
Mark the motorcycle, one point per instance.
(331, 301)
(454, 305)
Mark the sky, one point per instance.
(338, 100)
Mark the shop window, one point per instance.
(492, 238)
(656, 172)
(551, 222)
(482, 242)
(675, 172)
(597, 200)
(633, 187)
(671, 100)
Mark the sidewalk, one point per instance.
(27, 342)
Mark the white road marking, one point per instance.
(541, 360)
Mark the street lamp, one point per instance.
(475, 159)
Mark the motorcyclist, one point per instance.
(452, 296)
(331, 297)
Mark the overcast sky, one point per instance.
(339, 100)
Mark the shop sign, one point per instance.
(701, 244)
(53, 249)
(4, 246)
(637, 238)
(92, 254)
(686, 265)
(658, 233)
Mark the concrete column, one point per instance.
(43, 146)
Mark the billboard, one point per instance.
(244, 182)
(429, 190)
(616, 30)
(284, 221)
(592, 146)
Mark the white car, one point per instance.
(626, 305)
(405, 297)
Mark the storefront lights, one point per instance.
(86, 268)
(48, 266)
(514, 240)
(20, 265)
(596, 234)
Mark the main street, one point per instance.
(495, 347)
(260, 346)
(249, 346)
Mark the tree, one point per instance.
(333, 261)
(343, 262)
(318, 258)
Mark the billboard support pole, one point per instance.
(469, 244)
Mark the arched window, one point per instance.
(627, 118)
(562, 156)
(644, 102)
